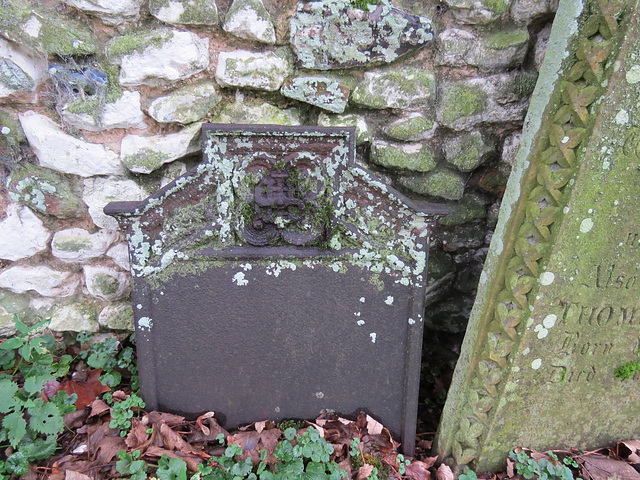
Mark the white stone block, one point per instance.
(43, 280)
(123, 113)
(100, 191)
(106, 283)
(65, 153)
(184, 54)
(22, 233)
(78, 245)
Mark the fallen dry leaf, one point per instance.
(418, 471)
(108, 449)
(373, 426)
(138, 438)
(156, 418)
(444, 473)
(364, 471)
(192, 461)
(73, 475)
(87, 391)
(98, 407)
(75, 419)
(599, 467)
(629, 450)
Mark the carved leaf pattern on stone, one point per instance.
(556, 166)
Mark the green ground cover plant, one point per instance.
(70, 404)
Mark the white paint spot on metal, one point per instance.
(145, 323)
(373, 337)
(536, 364)
(389, 300)
(547, 278)
(586, 225)
(549, 321)
(239, 279)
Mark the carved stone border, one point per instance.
(546, 185)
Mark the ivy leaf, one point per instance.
(17, 463)
(40, 449)
(111, 379)
(16, 427)
(45, 418)
(8, 389)
(172, 469)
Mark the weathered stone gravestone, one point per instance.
(558, 305)
(278, 280)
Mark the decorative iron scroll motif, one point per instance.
(286, 205)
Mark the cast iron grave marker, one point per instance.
(558, 306)
(277, 280)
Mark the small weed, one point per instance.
(364, 4)
(104, 355)
(30, 426)
(626, 371)
(172, 468)
(290, 423)
(468, 475)
(131, 465)
(543, 469)
(122, 412)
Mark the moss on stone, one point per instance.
(442, 183)
(363, 134)
(264, 113)
(137, 42)
(89, 105)
(147, 160)
(498, 7)
(462, 101)
(504, 40)
(73, 245)
(105, 284)
(402, 88)
(410, 128)
(12, 139)
(63, 37)
(467, 209)
(117, 316)
(415, 157)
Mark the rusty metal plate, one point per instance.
(278, 280)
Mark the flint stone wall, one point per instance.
(104, 103)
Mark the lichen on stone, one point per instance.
(407, 88)
(322, 92)
(331, 34)
(416, 157)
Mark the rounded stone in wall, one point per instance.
(105, 282)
